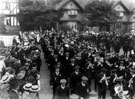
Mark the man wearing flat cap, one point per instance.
(55, 79)
(82, 88)
(131, 82)
(62, 91)
(102, 84)
(75, 78)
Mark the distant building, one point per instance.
(126, 12)
(74, 16)
(9, 10)
(73, 13)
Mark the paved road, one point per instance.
(46, 91)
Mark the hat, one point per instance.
(84, 78)
(4, 86)
(104, 70)
(12, 71)
(133, 63)
(67, 53)
(5, 78)
(132, 70)
(113, 70)
(57, 67)
(27, 86)
(63, 81)
(119, 80)
(35, 88)
(31, 79)
(8, 68)
(20, 76)
(76, 67)
(74, 96)
(72, 59)
(66, 45)
(27, 64)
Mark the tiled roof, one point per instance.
(83, 3)
(129, 4)
(63, 2)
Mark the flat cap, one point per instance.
(104, 70)
(84, 78)
(74, 96)
(113, 70)
(76, 67)
(63, 81)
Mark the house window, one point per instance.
(11, 21)
(72, 12)
(118, 25)
(72, 25)
(133, 25)
(120, 14)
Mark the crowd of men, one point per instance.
(19, 71)
(74, 60)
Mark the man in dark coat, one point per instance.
(62, 91)
(102, 84)
(13, 93)
(75, 78)
(82, 88)
(55, 79)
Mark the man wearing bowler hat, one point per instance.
(82, 88)
(62, 91)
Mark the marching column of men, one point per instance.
(75, 63)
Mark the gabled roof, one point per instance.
(64, 2)
(128, 4)
(115, 3)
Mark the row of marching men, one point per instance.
(19, 71)
(79, 83)
(107, 69)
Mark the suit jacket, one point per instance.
(62, 93)
(13, 94)
(74, 79)
(55, 79)
(82, 91)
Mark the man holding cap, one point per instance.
(62, 91)
(82, 89)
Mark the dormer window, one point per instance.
(72, 12)
(121, 14)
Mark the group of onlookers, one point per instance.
(20, 71)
